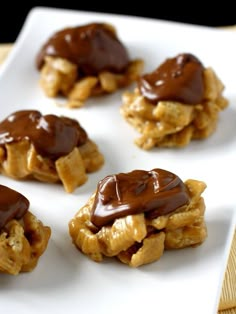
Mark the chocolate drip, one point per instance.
(155, 193)
(177, 79)
(13, 205)
(52, 136)
(93, 48)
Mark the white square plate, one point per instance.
(184, 281)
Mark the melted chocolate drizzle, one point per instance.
(52, 136)
(13, 205)
(92, 47)
(177, 79)
(155, 193)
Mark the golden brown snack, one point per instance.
(47, 148)
(136, 216)
(83, 61)
(178, 102)
(23, 238)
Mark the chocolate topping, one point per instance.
(93, 48)
(51, 136)
(177, 79)
(155, 193)
(13, 205)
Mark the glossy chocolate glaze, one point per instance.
(177, 79)
(51, 136)
(155, 193)
(92, 47)
(13, 205)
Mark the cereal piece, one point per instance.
(23, 238)
(91, 156)
(47, 148)
(136, 216)
(57, 76)
(71, 170)
(151, 250)
(178, 102)
(83, 88)
(84, 61)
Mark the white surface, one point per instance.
(65, 281)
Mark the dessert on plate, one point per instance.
(136, 216)
(83, 61)
(47, 148)
(179, 101)
(23, 237)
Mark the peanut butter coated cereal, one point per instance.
(23, 238)
(84, 61)
(136, 216)
(178, 102)
(47, 148)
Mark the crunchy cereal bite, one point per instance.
(47, 148)
(136, 216)
(83, 61)
(178, 102)
(23, 238)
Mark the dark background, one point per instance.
(217, 13)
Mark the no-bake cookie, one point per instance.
(178, 102)
(136, 216)
(83, 61)
(23, 238)
(47, 148)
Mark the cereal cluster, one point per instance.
(61, 153)
(101, 64)
(23, 237)
(137, 239)
(171, 122)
